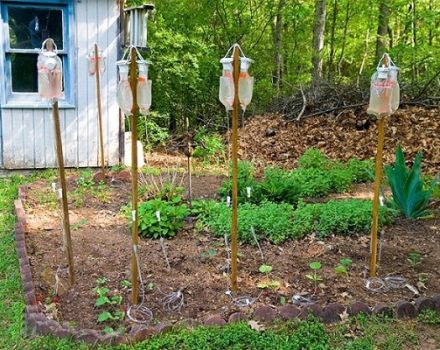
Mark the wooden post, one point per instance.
(234, 226)
(98, 98)
(377, 184)
(189, 154)
(62, 176)
(134, 176)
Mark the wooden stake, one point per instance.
(189, 145)
(98, 97)
(377, 184)
(134, 176)
(376, 202)
(234, 226)
(62, 176)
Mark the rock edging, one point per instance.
(38, 324)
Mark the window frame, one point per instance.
(10, 99)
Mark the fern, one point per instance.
(406, 184)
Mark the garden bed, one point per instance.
(102, 249)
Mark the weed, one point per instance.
(267, 282)
(429, 316)
(414, 259)
(343, 266)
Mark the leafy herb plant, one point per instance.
(314, 276)
(343, 266)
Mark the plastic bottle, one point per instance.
(124, 96)
(245, 83)
(50, 74)
(227, 89)
(143, 88)
(92, 65)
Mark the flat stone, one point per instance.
(436, 299)
(21, 253)
(237, 317)
(28, 287)
(163, 327)
(141, 332)
(425, 303)
(32, 309)
(405, 310)
(26, 277)
(20, 245)
(62, 333)
(311, 310)
(188, 323)
(89, 336)
(43, 328)
(289, 312)
(29, 298)
(383, 309)
(332, 312)
(124, 176)
(214, 320)
(265, 313)
(358, 307)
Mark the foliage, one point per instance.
(343, 266)
(172, 215)
(414, 259)
(314, 276)
(313, 158)
(209, 147)
(153, 130)
(86, 187)
(431, 317)
(246, 179)
(406, 184)
(265, 269)
(277, 186)
(109, 303)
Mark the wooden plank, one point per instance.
(28, 135)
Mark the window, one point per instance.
(27, 25)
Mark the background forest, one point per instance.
(300, 48)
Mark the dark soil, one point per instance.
(102, 248)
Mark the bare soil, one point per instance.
(102, 248)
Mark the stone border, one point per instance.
(38, 324)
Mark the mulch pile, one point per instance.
(271, 140)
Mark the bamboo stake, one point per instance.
(189, 145)
(98, 98)
(234, 226)
(62, 176)
(134, 176)
(377, 184)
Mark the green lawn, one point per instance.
(360, 334)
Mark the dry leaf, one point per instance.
(256, 326)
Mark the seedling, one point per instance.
(414, 259)
(125, 284)
(267, 282)
(104, 299)
(344, 266)
(265, 269)
(315, 266)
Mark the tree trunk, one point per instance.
(382, 29)
(318, 42)
(344, 36)
(277, 43)
(331, 57)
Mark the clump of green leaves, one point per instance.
(109, 304)
(267, 282)
(409, 196)
(314, 276)
(210, 147)
(246, 179)
(313, 158)
(414, 259)
(86, 187)
(431, 317)
(172, 216)
(343, 266)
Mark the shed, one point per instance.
(26, 128)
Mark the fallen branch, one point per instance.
(304, 104)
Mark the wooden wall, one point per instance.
(27, 134)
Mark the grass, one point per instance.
(357, 334)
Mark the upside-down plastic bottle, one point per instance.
(124, 96)
(227, 90)
(50, 74)
(143, 88)
(92, 62)
(245, 83)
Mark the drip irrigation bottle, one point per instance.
(227, 90)
(50, 73)
(124, 96)
(245, 83)
(143, 88)
(92, 65)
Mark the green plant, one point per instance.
(431, 317)
(267, 282)
(125, 284)
(406, 184)
(152, 130)
(313, 158)
(172, 215)
(246, 179)
(314, 276)
(361, 170)
(209, 147)
(414, 259)
(109, 302)
(277, 186)
(343, 266)
(265, 269)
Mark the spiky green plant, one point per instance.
(406, 184)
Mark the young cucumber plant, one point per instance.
(267, 282)
(314, 277)
(344, 266)
(109, 303)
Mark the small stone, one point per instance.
(214, 320)
(28, 287)
(89, 336)
(163, 327)
(30, 299)
(405, 310)
(237, 317)
(383, 309)
(332, 312)
(436, 299)
(265, 313)
(43, 328)
(425, 303)
(30, 309)
(358, 308)
(141, 332)
(289, 312)
(21, 253)
(312, 309)
(270, 132)
(62, 333)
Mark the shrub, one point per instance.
(172, 215)
(313, 158)
(209, 147)
(245, 179)
(361, 170)
(406, 184)
(152, 130)
(277, 186)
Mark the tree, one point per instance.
(382, 29)
(318, 42)
(277, 43)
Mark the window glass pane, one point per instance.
(24, 72)
(29, 26)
